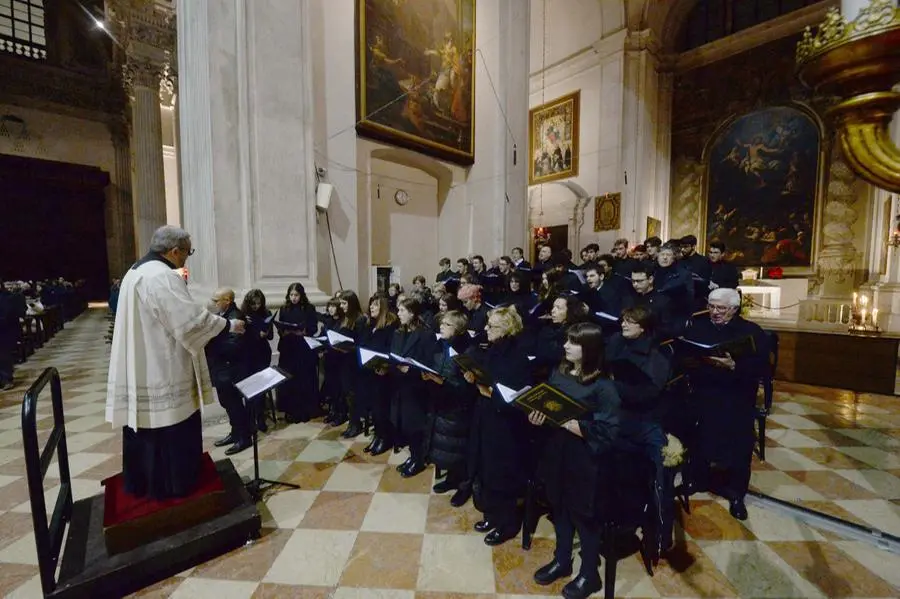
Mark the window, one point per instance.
(711, 20)
(22, 28)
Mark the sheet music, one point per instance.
(510, 395)
(421, 366)
(366, 355)
(697, 344)
(259, 383)
(313, 342)
(472, 333)
(607, 316)
(335, 338)
(400, 359)
(452, 352)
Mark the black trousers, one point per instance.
(163, 463)
(6, 364)
(233, 402)
(565, 525)
(737, 473)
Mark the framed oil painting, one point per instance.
(607, 212)
(416, 77)
(763, 177)
(654, 227)
(553, 139)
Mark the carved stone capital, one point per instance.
(168, 83)
(141, 73)
(144, 28)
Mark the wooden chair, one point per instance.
(767, 382)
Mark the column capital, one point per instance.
(141, 73)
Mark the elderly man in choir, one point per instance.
(725, 380)
(158, 376)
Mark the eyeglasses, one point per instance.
(714, 308)
(189, 252)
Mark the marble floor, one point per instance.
(356, 529)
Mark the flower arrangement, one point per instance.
(673, 452)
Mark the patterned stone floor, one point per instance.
(358, 530)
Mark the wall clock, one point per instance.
(401, 197)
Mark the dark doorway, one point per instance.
(556, 237)
(53, 223)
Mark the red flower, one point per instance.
(775, 273)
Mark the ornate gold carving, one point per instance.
(872, 19)
(834, 28)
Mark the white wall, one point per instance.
(570, 27)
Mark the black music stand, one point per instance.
(253, 387)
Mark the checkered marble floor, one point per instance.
(356, 529)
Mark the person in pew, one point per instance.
(476, 310)
(257, 346)
(409, 410)
(723, 273)
(644, 294)
(12, 308)
(373, 392)
(724, 398)
(298, 397)
(641, 371)
(499, 444)
(675, 281)
(574, 458)
(451, 413)
(353, 323)
(446, 272)
(227, 359)
(158, 375)
(518, 258)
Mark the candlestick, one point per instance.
(863, 314)
(855, 295)
(864, 300)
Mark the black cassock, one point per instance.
(409, 406)
(499, 449)
(723, 402)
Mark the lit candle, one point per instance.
(875, 316)
(864, 300)
(855, 296)
(863, 314)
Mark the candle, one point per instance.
(864, 300)
(841, 315)
(875, 316)
(855, 295)
(863, 313)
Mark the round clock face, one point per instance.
(401, 197)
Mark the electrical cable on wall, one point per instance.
(337, 270)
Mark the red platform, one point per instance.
(129, 521)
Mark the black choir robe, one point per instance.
(298, 397)
(409, 406)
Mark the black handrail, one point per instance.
(48, 538)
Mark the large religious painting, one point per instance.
(416, 75)
(553, 139)
(763, 174)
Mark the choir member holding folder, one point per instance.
(373, 392)
(298, 398)
(331, 362)
(499, 441)
(573, 460)
(726, 356)
(451, 413)
(256, 341)
(410, 408)
(342, 341)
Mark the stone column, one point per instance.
(148, 176)
(121, 247)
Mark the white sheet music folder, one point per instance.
(262, 381)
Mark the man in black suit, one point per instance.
(724, 274)
(644, 294)
(446, 272)
(518, 259)
(622, 264)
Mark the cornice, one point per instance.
(578, 62)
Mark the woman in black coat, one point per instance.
(331, 363)
(499, 444)
(351, 326)
(572, 464)
(451, 408)
(257, 346)
(409, 409)
(373, 390)
(298, 397)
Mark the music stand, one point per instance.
(254, 386)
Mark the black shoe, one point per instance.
(581, 587)
(484, 526)
(353, 431)
(552, 572)
(461, 496)
(738, 509)
(379, 447)
(238, 447)
(412, 469)
(262, 427)
(445, 486)
(371, 444)
(498, 537)
(403, 466)
(226, 440)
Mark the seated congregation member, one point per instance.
(331, 361)
(500, 435)
(298, 396)
(227, 366)
(644, 294)
(674, 280)
(351, 324)
(258, 350)
(476, 311)
(574, 460)
(373, 392)
(723, 273)
(724, 398)
(410, 408)
(451, 411)
(520, 295)
(641, 372)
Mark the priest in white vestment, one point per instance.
(158, 377)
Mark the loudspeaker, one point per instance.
(323, 196)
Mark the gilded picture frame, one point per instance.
(553, 137)
(415, 76)
(654, 227)
(607, 212)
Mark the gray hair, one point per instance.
(169, 237)
(730, 297)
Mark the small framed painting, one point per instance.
(553, 139)
(607, 212)
(654, 227)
